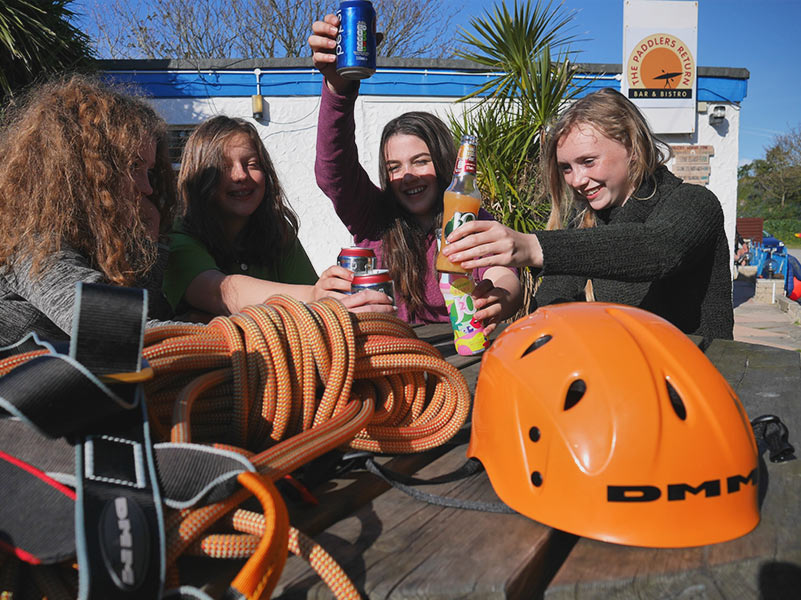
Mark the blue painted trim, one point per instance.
(386, 82)
(710, 89)
(719, 89)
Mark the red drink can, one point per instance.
(378, 280)
(358, 260)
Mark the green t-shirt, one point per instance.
(189, 258)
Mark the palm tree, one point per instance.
(36, 37)
(528, 89)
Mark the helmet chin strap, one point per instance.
(772, 435)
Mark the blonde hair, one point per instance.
(67, 151)
(617, 118)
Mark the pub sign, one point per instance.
(660, 40)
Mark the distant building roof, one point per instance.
(174, 78)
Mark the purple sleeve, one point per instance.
(339, 175)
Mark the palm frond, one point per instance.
(38, 37)
(526, 48)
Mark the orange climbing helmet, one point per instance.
(606, 421)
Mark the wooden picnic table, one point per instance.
(393, 546)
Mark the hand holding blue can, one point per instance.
(356, 40)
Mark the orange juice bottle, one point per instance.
(462, 199)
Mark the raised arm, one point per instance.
(673, 238)
(218, 294)
(194, 282)
(337, 169)
(323, 45)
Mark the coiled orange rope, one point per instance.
(283, 383)
(274, 377)
(286, 382)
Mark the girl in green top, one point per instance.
(237, 242)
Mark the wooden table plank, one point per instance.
(399, 547)
(766, 563)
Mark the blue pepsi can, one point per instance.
(356, 39)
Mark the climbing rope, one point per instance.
(281, 383)
(285, 382)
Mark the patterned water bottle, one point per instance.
(468, 332)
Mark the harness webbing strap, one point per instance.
(108, 328)
(772, 435)
(119, 526)
(58, 396)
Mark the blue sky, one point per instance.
(759, 35)
(763, 36)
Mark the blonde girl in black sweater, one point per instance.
(622, 227)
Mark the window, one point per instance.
(176, 140)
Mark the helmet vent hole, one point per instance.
(676, 401)
(538, 343)
(534, 434)
(536, 478)
(575, 393)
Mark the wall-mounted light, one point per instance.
(257, 100)
(717, 115)
(257, 106)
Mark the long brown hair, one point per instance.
(273, 226)
(616, 117)
(67, 151)
(404, 241)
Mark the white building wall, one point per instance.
(724, 137)
(289, 130)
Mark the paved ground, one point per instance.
(764, 323)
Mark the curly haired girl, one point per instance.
(85, 186)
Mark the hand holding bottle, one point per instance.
(488, 243)
(493, 301)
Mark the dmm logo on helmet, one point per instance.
(677, 491)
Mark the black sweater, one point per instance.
(667, 254)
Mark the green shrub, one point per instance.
(784, 230)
